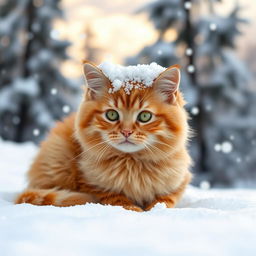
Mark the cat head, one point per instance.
(149, 120)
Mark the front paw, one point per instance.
(133, 208)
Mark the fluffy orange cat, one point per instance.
(118, 149)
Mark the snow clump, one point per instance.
(130, 77)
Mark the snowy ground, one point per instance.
(206, 222)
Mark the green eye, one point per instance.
(112, 115)
(144, 116)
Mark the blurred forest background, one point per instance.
(43, 42)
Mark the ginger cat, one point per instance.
(119, 149)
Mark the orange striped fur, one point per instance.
(78, 163)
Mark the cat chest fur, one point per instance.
(141, 181)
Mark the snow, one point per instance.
(188, 5)
(130, 77)
(66, 109)
(36, 132)
(189, 52)
(54, 91)
(213, 26)
(191, 68)
(194, 111)
(226, 147)
(206, 221)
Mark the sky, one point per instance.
(115, 31)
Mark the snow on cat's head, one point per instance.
(130, 77)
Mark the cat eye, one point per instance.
(144, 116)
(112, 115)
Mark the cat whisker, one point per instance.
(162, 143)
(83, 152)
(159, 150)
(101, 153)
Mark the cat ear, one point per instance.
(167, 84)
(96, 81)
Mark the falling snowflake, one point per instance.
(189, 51)
(159, 52)
(195, 111)
(188, 5)
(217, 147)
(54, 91)
(36, 132)
(232, 137)
(205, 185)
(238, 160)
(208, 108)
(227, 147)
(191, 68)
(66, 109)
(213, 26)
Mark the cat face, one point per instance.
(150, 120)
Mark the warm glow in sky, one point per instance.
(116, 32)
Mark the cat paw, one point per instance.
(133, 208)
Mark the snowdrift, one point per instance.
(206, 222)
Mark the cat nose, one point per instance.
(126, 132)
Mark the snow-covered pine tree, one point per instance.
(220, 103)
(227, 103)
(33, 92)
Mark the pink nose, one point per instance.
(126, 132)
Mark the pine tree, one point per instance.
(227, 102)
(92, 53)
(33, 92)
(214, 84)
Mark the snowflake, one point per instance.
(205, 185)
(159, 52)
(66, 109)
(191, 69)
(213, 26)
(208, 107)
(238, 160)
(195, 111)
(189, 51)
(54, 91)
(188, 5)
(36, 132)
(217, 147)
(227, 147)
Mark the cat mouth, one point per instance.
(126, 142)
